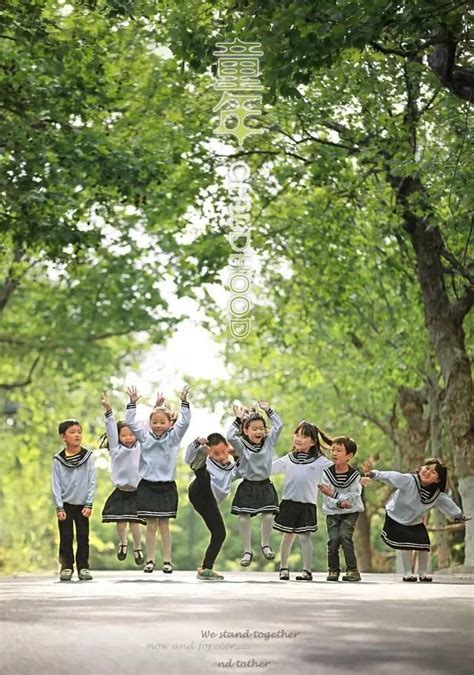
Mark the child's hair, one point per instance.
(64, 426)
(251, 415)
(441, 470)
(170, 414)
(311, 430)
(104, 441)
(349, 444)
(216, 439)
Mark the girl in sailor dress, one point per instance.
(214, 472)
(157, 494)
(121, 505)
(256, 494)
(297, 516)
(416, 494)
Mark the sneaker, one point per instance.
(208, 575)
(305, 575)
(425, 579)
(84, 575)
(66, 575)
(410, 578)
(138, 554)
(352, 575)
(268, 552)
(284, 574)
(167, 568)
(149, 567)
(333, 575)
(122, 551)
(246, 559)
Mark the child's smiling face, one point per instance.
(255, 431)
(73, 436)
(160, 423)
(429, 475)
(219, 453)
(301, 442)
(127, 437)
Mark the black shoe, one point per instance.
(122, 551)
(138, 554)
(305, 575)
(284, 574)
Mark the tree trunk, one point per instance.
(363, 546)
(444, 321)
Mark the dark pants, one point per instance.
(340, 531)
(201, 497)
(66, 538)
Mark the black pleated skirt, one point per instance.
(405, 537)
(157, 499)
(255, 496)
(120, 506)
(296, 517)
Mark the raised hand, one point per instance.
(367, 466)
(160, 399)
(202, 441)
(238, 410)
(184, 393)
(264, 405)
(365, 480)
(133, 394)
(105, 403)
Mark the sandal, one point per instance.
(425, 579)
(284, 574)
(268, 552)
(305, 575)
(122, 551)
(246, 559)
(167, 568)
(411, 578)
(150, 566)
(138, 553)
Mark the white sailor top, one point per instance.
(346, 487)
(411, 500)
(302, 475)
(158, 454)
(221, 475)
(73, 479)
(124, 461)
(255, 459)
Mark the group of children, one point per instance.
(143, 470)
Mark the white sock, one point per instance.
(407, 563)
(307, 550)
(122, 532)
(285, 549)
(266, 529)
(245, 532)
(423, 558)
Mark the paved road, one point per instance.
(124, 623)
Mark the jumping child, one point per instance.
(416, 494)
(342, 503)
(302, 467)
(73, 487)
(157, 495)
(256, 493)
(121, 505)
(214, 473)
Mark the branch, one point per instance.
(444, 528)
(24, 383)
(457, 265)
(463, 305)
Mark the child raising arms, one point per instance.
(121, 505)
(416, 494)
(302, 467)
(157, 495)
(256, 493)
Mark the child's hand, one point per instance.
(160, 399)
(86, 512)
(365, 481)
(61, 515)
(184, 393)
(202, 441)
(345, 504)
(264, 405)
(238, 410)
(133, 394)
(367, 466)
(326, 490)
(232, 451)
(105, 403)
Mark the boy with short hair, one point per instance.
(73, 488)
(342, 503)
